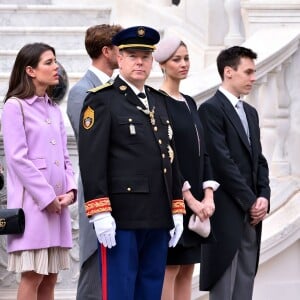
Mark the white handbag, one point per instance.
(201, 228)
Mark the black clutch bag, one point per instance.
(12, 221)
(1, 180)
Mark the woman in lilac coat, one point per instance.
(39, 173)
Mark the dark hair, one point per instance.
(20, 83)
(98, 36)
(231, 57)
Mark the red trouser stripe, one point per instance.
(104, 272)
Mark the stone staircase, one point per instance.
(61, 26)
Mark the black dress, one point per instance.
(195, 168)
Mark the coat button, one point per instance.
(57, 162)
(155, 128)
(165, 170)
(53, 142)
(129, 189)
(160, 141)
(129, 120)
(163, 155)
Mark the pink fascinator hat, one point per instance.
(166, 48)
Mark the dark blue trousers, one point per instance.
(134, 269)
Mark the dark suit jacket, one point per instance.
(88, 242)
(242, 172)
(132, 169)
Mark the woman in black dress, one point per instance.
(198, 187)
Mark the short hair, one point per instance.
(98, 36)
(20, 83)
(231, 57)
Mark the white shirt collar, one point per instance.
(233, 99)
(103, 77)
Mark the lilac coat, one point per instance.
(37, 160)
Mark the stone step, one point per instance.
(50, 15)
(27, 2)
(58, 37)
(72, 60)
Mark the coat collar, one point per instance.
(235, 119)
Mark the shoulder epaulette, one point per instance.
(100, 87)
(150, 88)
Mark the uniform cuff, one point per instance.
(178, 207)
(97, 206)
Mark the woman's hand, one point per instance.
(66, 199)
(196, 206)
(208, 202)
(54, 206)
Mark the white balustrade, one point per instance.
(234, 35)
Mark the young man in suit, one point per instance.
(228, 267)
(131, 181)
(98, 44)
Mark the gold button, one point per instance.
(129, 189)
(130, 120)
(160, 141)
(165, 170)
(163, 155)
(155, 128)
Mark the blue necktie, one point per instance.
(240, 110)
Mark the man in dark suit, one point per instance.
(228, 267)
(98, 44)
(131, 181)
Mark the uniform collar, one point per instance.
(135, 89)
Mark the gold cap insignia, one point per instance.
(88, 118)
(123, 87)
(141, 31)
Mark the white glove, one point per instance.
(176, 232)
(105, 228)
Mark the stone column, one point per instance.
(234, 35)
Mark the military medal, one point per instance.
(171, 153)
(151, 115)
(132, 129)
(170, 132)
